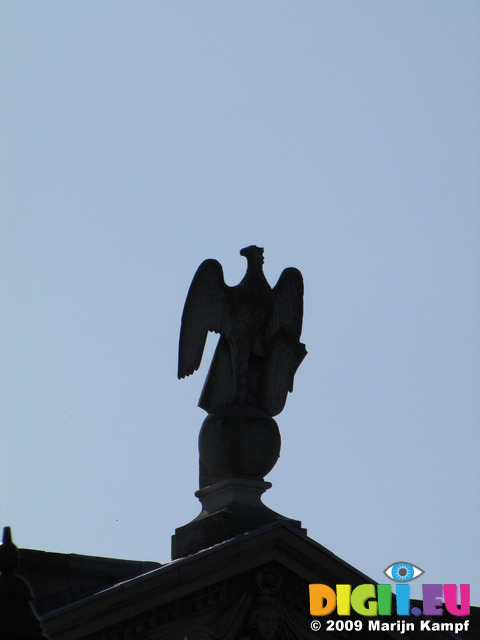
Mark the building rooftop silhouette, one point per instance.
(239, 571)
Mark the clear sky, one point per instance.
(138, 139)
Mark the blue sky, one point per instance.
(139, 139)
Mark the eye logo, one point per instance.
(403, 571)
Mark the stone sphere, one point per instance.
(238, 442)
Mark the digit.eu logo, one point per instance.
(376, 600)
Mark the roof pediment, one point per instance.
(220, 593)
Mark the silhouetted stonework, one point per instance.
(59, 579)
(259, 349)
(254, 587)
(240, 571)
(18, 620)
(252, 371)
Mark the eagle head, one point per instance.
(253, 253)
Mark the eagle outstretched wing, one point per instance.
(288, 305)
(284, 350)
(205, 310)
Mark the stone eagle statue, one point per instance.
(259, 350)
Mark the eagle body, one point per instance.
(259, 350)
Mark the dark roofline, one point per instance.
(59, 579)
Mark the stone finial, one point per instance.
(17, 617)
(8, 553)
(251, 374)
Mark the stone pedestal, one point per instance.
(229, 507)
(238, 446)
